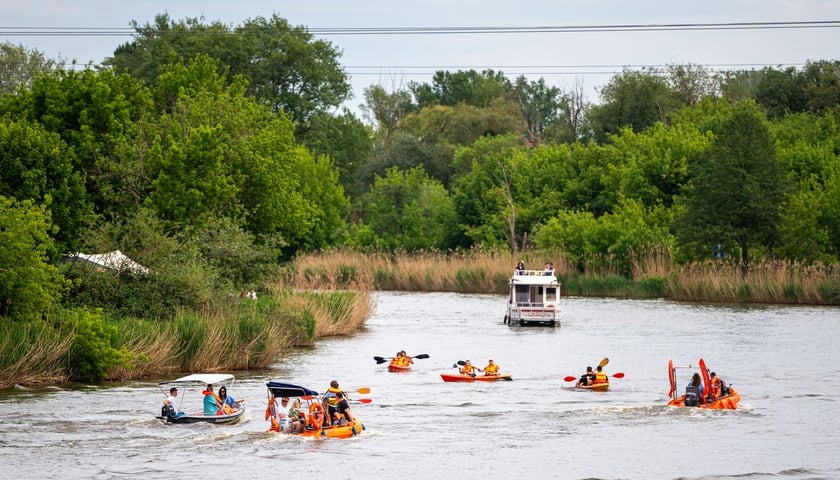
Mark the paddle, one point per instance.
(461, 362)
(383, 359)
(361, 400)
(572, 379)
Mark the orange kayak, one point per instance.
(458, 377)
(598, 387)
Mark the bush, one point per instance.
(94, 349)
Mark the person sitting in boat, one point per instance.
(467, 369)
(587, 378)
(719, 388)
(491, 368)
(405, 359)
(600, 376)
(694, 391)
(212, 402)
(339, 413)
(229, 404)
(169, 408)
(297, 417)
(281, 415)
(520, 268)
(335, 402)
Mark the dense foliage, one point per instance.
(211, 153)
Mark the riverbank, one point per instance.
(654, 276)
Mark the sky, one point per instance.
(563, 59)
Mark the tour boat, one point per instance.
(312, 406)
(727, 401)
(191, 387)
(532, 298)
(460, 377)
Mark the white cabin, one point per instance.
(533, 298)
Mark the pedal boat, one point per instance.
(311, 402)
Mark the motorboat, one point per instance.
(533, 297)
(190, 392)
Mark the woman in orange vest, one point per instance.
(467, 369)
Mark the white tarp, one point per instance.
(115, 260)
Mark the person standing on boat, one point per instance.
(587, 378)
(212, 403)
(491, 368)
(520, 268)
(281, 414)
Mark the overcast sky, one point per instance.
(562, 58)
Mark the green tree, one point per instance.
(29, 285)
(37, 165)
(781, 92)
(386, 110)
(407, 211)
(285, 66)
(20, 65)
(347, 142)
(469, 87)
(736, 188)
(634, 99)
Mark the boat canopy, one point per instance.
(279, 389)
(200, 378)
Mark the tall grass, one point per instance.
(653, 275)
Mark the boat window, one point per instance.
(522, 294)
(551, 294)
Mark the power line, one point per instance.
(328, 31)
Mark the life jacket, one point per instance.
(331, 395)
(491, 369)
(600, 377)
(468, 370)
(717, 388)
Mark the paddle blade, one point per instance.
(461, 362)
(454, 365)
(507, 378)
(422, 355)
(363, 400)
(363, 390)
(380, 359)
(618, 375)
(569, 379)
(604, 362)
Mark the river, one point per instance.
(781, 359)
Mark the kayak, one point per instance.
(399, 368)
(598, 387)
(458, 377)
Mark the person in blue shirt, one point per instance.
(212, 403)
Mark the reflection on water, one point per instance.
(535, 426)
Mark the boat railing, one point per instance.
(533, 273)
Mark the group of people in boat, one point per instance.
(591, 377)
(492, 368)
(547, 270)
(290, 417)
(221, 403)
(694, 391)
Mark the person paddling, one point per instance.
(587, 378)
(491, 368)
(467, 369)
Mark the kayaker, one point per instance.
(467, 369)
(406, 360)
(600, 376)
(587, 378)
(491, 368)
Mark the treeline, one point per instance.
(214, 153)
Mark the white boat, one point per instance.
(533, 298)
(190, 387)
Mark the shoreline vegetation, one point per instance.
(331, 293)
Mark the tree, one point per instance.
(781, 92)
(386, 110)
(407, 210)
(37, 165)
(736, 188)
(464, 86)
(285, 67)
(540, 106)
(20, 65)
(635, 99)
(29, 285)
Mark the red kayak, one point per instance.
(458, 377)
(398, 368)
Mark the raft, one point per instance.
(458, 377)
(726, 402)
(598, 387)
